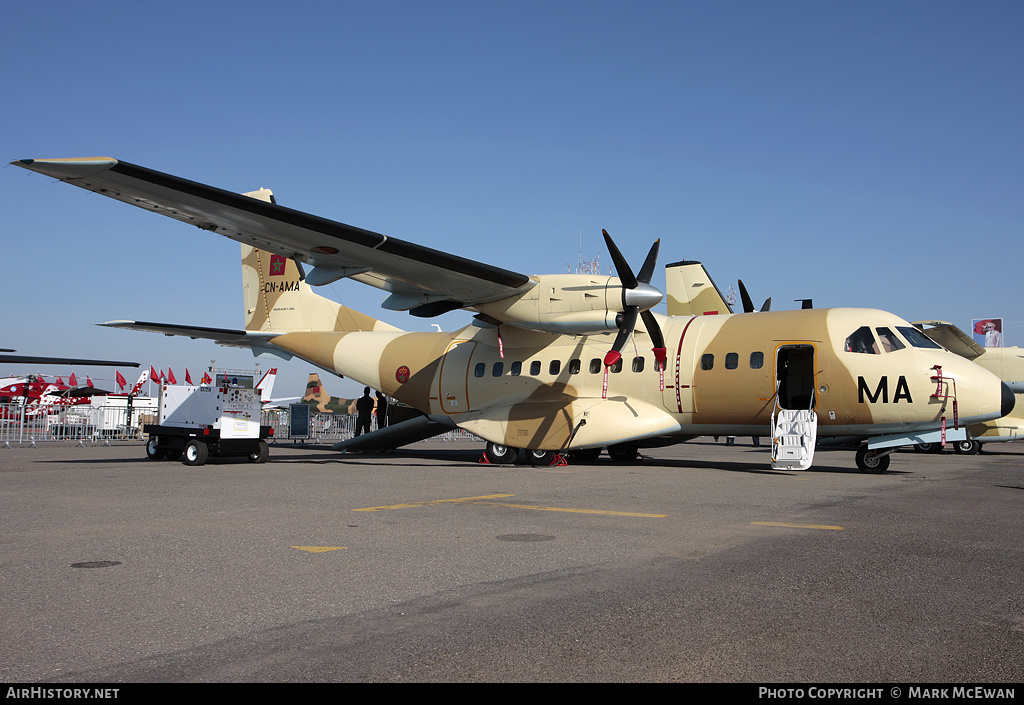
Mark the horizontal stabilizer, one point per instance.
(258, 341)
(403, 433)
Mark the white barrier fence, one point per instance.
(20, 424)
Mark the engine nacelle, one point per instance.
(570, 304)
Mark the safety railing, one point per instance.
(32, 424)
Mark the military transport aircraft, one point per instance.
(536, 370)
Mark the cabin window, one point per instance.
(861, 341)
(917, 338)
(535, 368)
(617, 367)
(574, 366)
(638, 364)
(498, 368)
(732, 361)
(595, 366)
(756, 360)
(888, 340)
(480, 369)
(554, 366)
(707, 361)
(516, 369)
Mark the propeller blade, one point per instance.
(748, 305)
(625, 329)
(621, 266)
(647, 271)
(657, 337)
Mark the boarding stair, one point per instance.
(794, 433)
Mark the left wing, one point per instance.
(421, 280)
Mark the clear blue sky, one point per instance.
(859, 153)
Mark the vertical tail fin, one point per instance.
(691, 292)
(277, 299)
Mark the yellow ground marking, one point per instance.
(574, 511)
(482, 500)
(434, 501)
(798, 526)
(320, 549)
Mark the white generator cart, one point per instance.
(209, 420)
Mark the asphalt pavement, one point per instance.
(698, 563)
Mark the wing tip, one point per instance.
(72, 168)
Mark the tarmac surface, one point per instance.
(698, 564)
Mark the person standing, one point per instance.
(382, 410)
(364, 412)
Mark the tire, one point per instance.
(196, 453)
(624, 452)
(586, 455)
(968, 447)
(153, 451)
(928, 448)
(869, 461)
(540, 457)
(261, 453)
(499, 454)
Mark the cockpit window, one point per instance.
(888, 340)
(917, 338)
(861, 341)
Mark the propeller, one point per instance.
(638, 297)
(748, 305)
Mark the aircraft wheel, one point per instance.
(153, 452)
(928, 448)
(968, 447)
(499, 454)
(540, 457)
(196, 453)
(869, 461)
(624, 452)
(585, 455)
(261, 453)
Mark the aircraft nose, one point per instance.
(1009, 400)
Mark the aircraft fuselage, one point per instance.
(725, 375)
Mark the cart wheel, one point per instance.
(261, 453)
(196, 453)
(153, 451)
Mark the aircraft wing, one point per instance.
(952, 338)
(258, 341)
(421, 280)
(35, 359)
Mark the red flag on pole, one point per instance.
(153, 374)
(188, 378)
(170, 376)
(72, 380)
(121, 381)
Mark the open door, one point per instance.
(794, 423)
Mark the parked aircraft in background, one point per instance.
(319, 400)
(536, 370)
(1006, 363)
(35, 359)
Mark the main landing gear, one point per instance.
(498, 454)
